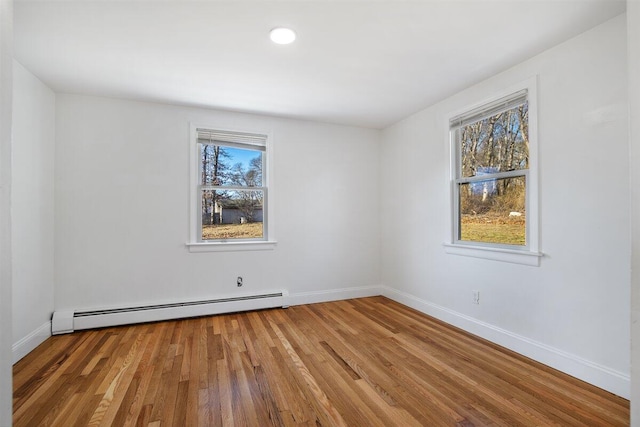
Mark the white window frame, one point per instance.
(528, 254)
(195, 243)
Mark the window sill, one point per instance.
(496, 254)
(231, 246)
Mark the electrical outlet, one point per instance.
(476, 297)
(239, 282)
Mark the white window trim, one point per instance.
(526, 255)
(195, 243)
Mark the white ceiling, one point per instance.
(364, 63)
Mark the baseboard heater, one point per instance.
(67, 321)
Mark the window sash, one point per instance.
(458, 215)
(229, 186)
(265, 215)
(264, 236)
(457, 229)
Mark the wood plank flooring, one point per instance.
(362, 362)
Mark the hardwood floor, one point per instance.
(363, 362)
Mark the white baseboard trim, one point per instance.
(27, 344)
(601, 376)
(313, 297)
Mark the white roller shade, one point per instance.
(232, 139)
(489, 110)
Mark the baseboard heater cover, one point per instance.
(67, 321)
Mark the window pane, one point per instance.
(493, 211)
(232, 214)
(230, 166)
(499, 143)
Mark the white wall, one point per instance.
(6, 90)
(573, 311)
(32, 210)
(121, 207)
(633, 49)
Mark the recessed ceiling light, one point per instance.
(282, 35)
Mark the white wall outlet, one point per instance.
(476, 297)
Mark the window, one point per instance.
(229, 190)
(493, 181)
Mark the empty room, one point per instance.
(411, 213)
